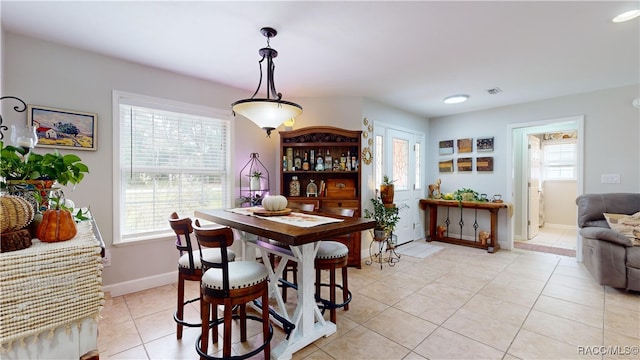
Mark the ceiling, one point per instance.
(408, 55)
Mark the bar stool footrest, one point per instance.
(182, 322)
(254, 352)
(328, 305)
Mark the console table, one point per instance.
(491, 245)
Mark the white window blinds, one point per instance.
(169, 161)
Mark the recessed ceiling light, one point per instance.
(632, 14)
(455, 99)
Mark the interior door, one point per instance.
(534, 187)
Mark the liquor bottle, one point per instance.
(297, 161)
(328, 161)
(289, 159)
(294, 186)
(284, 163)
(319, 161)
(312, 159)
(348, 167)
(305, 161)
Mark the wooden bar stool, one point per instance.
(189, 266)
(230, 284)
(332, 255)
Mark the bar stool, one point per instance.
(230, 284)
(333, 255)
(189, 266)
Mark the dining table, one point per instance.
(306, 323)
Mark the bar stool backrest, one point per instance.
(183, 229)
(215, 237)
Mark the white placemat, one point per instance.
(295, 218)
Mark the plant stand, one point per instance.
(383, 250)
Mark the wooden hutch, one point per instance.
(336, 185)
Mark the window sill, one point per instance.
(157, 238)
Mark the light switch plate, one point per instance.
(610, 178)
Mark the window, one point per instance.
(168, 156)
(559, 159)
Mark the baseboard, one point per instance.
(136, 285)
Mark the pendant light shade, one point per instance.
(268, 113)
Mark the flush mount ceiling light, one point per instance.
(626, 16)
(269, 112)
(455, 99)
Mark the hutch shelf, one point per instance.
(321, 166)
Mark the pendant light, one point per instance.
(268, 113)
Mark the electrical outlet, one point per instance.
(106, 260)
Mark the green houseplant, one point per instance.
(386, 218)
(20, 164)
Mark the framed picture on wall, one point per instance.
(484, 163)
(446, 166)
(484, 144)
(446, 147)
(63, 129)
(465, 145)
(465, 164)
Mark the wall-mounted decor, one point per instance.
(484, 144)
(446, 147)
(484, 163)
(446, 166)
(465, 145)
(64, 129)
(465, 164)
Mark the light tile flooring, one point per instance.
(555, 237)
(459, 303)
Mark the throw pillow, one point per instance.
(627, 225)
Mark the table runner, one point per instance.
(49, 285)
(295, 218)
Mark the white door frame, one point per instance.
(572, 122)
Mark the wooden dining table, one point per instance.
(307, 320)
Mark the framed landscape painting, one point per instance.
(484, 144)
(465, 164)
(465, 145)
(446, 147)
(484, 163)
(446, 166)
(63, 129)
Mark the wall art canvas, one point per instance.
(465, 164)
(446, 147)
(63, 129)
(484, 144)
(446, 166)
(484, 163)
(465, 145)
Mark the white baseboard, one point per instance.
(136, 285)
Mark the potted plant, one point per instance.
(23, 171)
(386, 218)
(387, 190)
(254, 180)
(465, 194)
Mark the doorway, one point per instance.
(398, 154)
(528, 193)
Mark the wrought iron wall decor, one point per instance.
(16, 108)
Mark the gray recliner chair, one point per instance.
(608, 255)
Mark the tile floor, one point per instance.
(459, 303)
(555, 237)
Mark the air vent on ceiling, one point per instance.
(494, 91)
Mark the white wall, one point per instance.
(559, 202)
(611, 133)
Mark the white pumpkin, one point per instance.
(274, 202)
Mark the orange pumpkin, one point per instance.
(57, 225)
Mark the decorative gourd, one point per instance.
(274, 202)
(15, 213)
(57, 225)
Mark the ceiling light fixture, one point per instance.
(269, 112)
(626, 16)
(455, 99)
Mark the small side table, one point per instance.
(378, 249)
